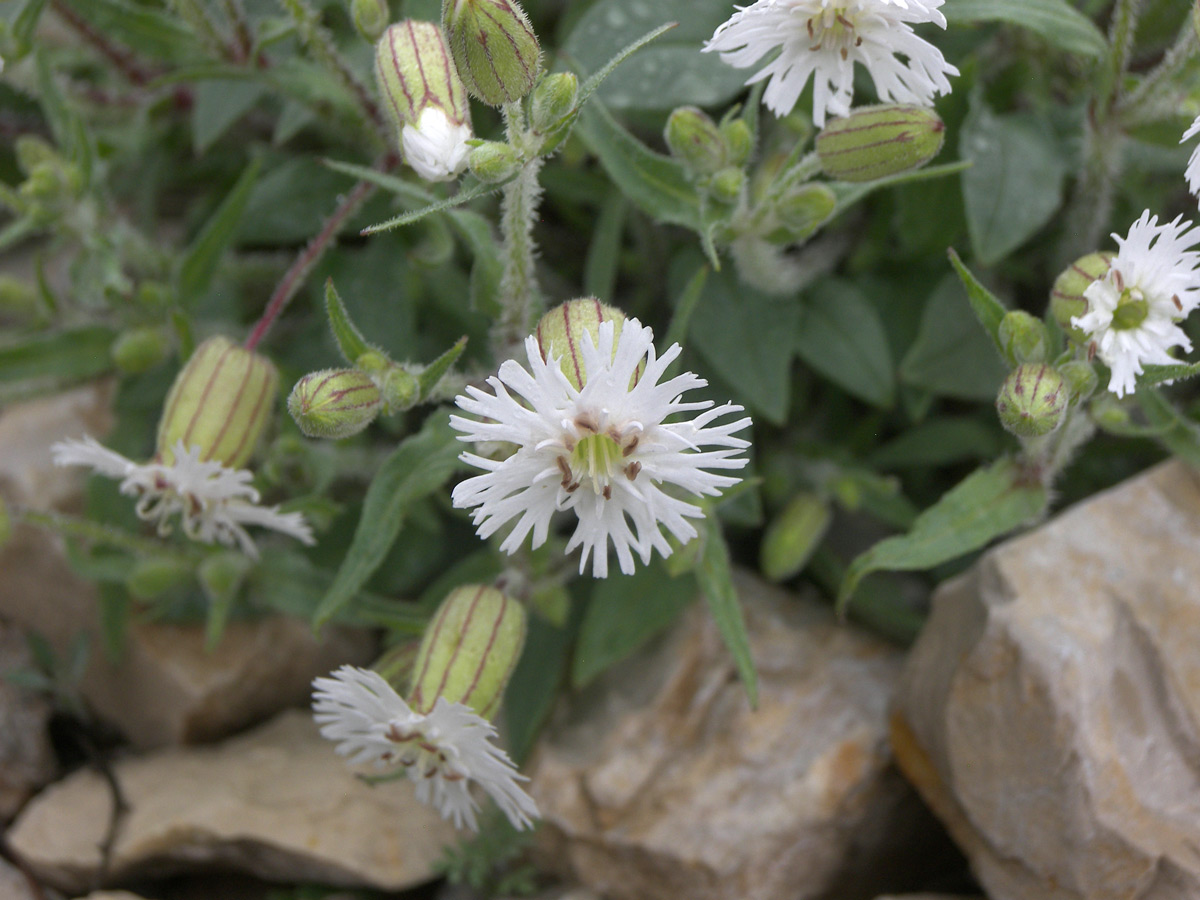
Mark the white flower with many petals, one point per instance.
(213, 501)
(1192, 173)
(436, 148)
(606, 451)
(1133, 310)
(442, 751)
(824, 39)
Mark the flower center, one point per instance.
(834, 29)
(1132, 309)
(596, 459)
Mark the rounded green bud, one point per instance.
(876, 141)
(739, 141)
(1022, 337)
(469, 650)
(415, 73)
(493, 161)
(220, 402)
(726, 186)
(139, 349)
(494, 48)
(1066, 296)
(553, 100)
(793, 536)
(149, 578)
(695, 140)
(400, 388)
(373, 362)
(1081, 379)
(335, 403)
(32, 151)
(801, 211)
(17, 297)
(154, 295)
(560, 333)
(370, 18)
(1033, 400)
(1110, 414)
(221, 574)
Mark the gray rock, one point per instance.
(662, 782)
(13, 883)
(1050, 712)
(277, 803)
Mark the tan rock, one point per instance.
(277, 803)
(167, 689)
(13, 883)
(662, 783)
(1050, 712)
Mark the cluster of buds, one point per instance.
(52, 183)
(714, 155)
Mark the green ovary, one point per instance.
(596, 457)
(1132, 309)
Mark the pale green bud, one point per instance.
(415, 73)
(1080, 377)
(370, 18)
(560, 333)
(1110, 414)
(1032, 401)
(469, 650)
(373, 362)
(877, 141)
(492, 162)
(32, 151)
(552, 100)
(335, 403)
(801, 211)
(1066, 297)
(793, 536)
(739, 141)
(695, 140)
(494, 48)
(220, 401)
(154, 295)
(726, 186)
(1022, 337)
(139, 349)
(400, 388)
(152, 577)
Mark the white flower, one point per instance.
(436, 148)
(1151, 284)
(442, 751)
(604, 452)
(213, 501)
(1192, 173)
(824, 39)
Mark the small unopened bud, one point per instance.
(493, 161)
(802, 211)
(560, 333)
(154, 295)
(220, 401)
(32, 151)
(400, 389)
(469, 650)
(494, 48)
(425, 98)
(739, 141)
(373, 362)
(726, 186)
(553, 99)
(793, 536)
(140, 349)
(1066, 297)
(695, 140)
(1022, 337)
(1110, 414)
(370, 18)
(877, 141)
(335, 403)
(1032, 401)
(149, 578)
(1081, 379)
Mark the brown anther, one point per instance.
(844, 21)
(566, 471)
(607, 492)
(811, 33)
(1118, 280)
(1091, 351)
(845, 53)
(586, 423)
(631, 470)
(1176, 301)
(630, 447)
(572, 487)
(614, 434)
(858, 42)
(427, 747)
(453, 776)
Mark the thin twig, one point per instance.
(121, 57)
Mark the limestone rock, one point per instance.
(168, 689)
(661, 782)
(1050, 712)
(277, 803)
(26, 758)
(13, 883)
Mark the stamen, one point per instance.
(1091, 351)
(607, 492)
(811, 33)
(631, 446)
(1178, 304)
(631, 470)
(1118, 280)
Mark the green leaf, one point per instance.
(465, 195)
(61, 357)
(417, 468)
(114, 611)
(623, 613)
(202, 258)
(217, 105)
(25, 22)
(429, 378)
(848, 193)
(140, 27)
(534, 685)
(65, 123)
(1055, 20)
(938, 442)
(716, 583)
(349, 339)
(1015, 184)
(1178, 434)
(842, 337)
(1152, 375)
(988, 503)
(681, 319)
(951, 355)
(987, 306)
(603, 257)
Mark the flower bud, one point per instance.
(1081, 379)
(560, 333)
(426, 99)
(726, 186)
(695, 140)
(370, 18)
(469, 650)
(1110, 414)
(1032, 401)
(793, 536)
(1022, 337)
(373, 362)
(553, 99)
(220, 401)
(877, 141)
(494, 48)
(154, 576)
(335, 403)
(400, 389)
(1066, 297)
(492, 162)
(33, 151)
(139, 349)
(801, 211)
(739, 141)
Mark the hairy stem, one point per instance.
(1120, 39)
